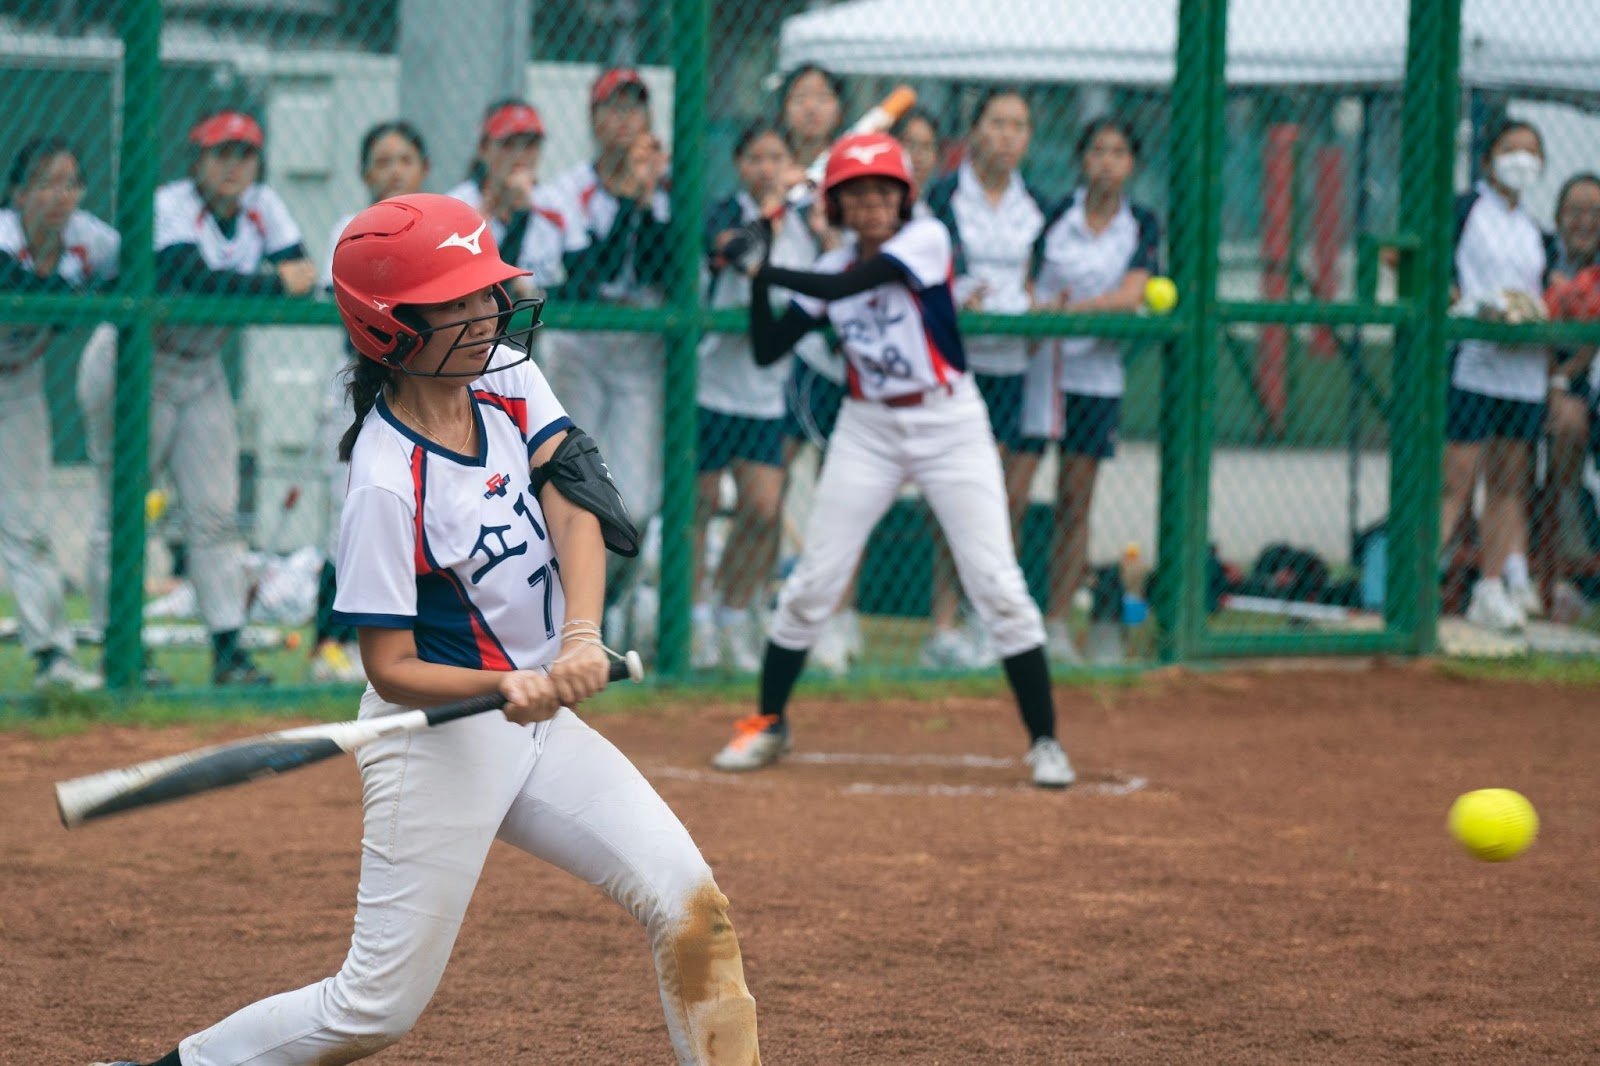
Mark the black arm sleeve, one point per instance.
(770, 337)
(179, 268)
(289, 254)
(879, 270)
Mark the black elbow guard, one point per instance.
(580, 474)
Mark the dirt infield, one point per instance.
(1260, 874)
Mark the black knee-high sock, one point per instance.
(1029, 676)
(779, 671)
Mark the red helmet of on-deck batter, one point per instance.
(867, 155)
(409, 251)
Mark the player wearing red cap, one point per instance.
(219, 231)
(616, 213)
(503, 184)
(913, 414)
(471, 559)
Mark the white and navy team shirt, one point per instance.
(589, 212)
(901, 337)
(262, 229)
(455, 547)
(89, 256)
(1071, 257)
(1498, 247)
(541, 242)
(993, 246)
(730, 382)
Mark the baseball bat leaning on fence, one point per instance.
(84, 799)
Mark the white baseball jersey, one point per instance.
(729, 379)
(994, 243)
(262, 228)
(455, 547)
(1074, 259)
(543, 242)
(589, 212)
(1498, 247)
(89, 254)
(901, 337)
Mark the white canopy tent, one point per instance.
(1550, 47)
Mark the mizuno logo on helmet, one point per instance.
(470, 243)
(866, 153)
(380, 305)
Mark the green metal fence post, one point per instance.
(1198, 92)
(130, 473)
(690, 60)
(1416, 477)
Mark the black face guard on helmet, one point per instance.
(518, 343)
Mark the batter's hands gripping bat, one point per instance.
(84, 799)
(876, 120)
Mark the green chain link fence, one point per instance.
(1263, 462)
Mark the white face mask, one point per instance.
(1518, 171)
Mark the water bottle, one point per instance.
(1135, 574)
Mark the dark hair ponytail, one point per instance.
(366, 381)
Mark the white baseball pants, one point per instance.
(946, 448)
(435, 801)
(25, 465)
(194, 435)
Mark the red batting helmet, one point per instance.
(867, 155)
(408, 251)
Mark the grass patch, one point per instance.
(1537, 669)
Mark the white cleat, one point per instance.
(945, 649)
(1051, 768)
(1493, 608)
(63, 673)
(705, 649)
(758, 740)
(831, 652)
(743, 642)
(1059, 646)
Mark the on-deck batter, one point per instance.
(913, 414)
(463, 580)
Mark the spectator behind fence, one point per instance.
(503, 184)
(1496, 405)
(993, 217)
(741, 415)
(394, 162)
(1573, 385)
(918, 134)
(616, 211)
(215, 231)
(810, 113)
(1096, 252)
(47, 245)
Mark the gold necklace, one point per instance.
(465, 440)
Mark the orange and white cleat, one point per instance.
(758, 740)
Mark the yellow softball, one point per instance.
(1160, 294)
(1494, 824)
(155, 505)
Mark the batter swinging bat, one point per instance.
(84, 799)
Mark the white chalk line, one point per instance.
(849, 758)
(1092, 788)
(1123, 787)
